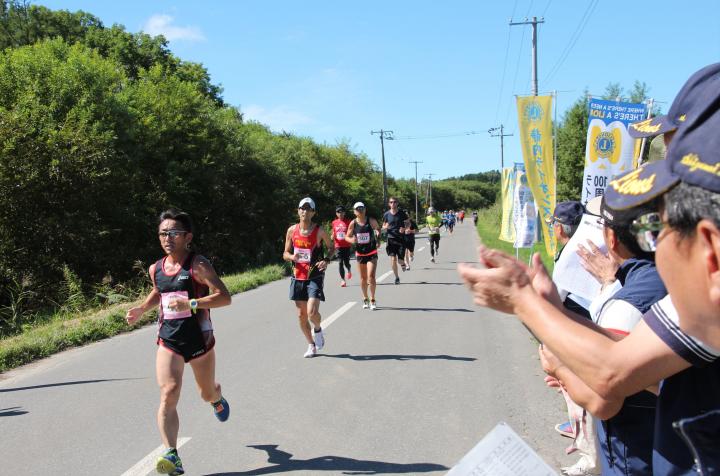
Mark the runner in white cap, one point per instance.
(303, 248)
(364, 232)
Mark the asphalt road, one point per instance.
(407, 389)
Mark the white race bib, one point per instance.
(363, 238)
(304, 255)
(340, 235)
(170, 313)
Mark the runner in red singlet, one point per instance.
(342, 247)
(303, 248)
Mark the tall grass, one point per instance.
(489, 220)
(79, 321)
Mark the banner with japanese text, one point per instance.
(507, 227)
(524, 212)
(537, 148)
(610, 151)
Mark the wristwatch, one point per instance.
(193, 305)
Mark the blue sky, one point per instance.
(438, 74)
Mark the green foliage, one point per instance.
(571, 140)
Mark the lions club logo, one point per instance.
(533, 112)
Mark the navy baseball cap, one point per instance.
(693, 158)
(339, 209)
(697, 90)
(568, 213)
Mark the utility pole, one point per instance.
(534, 24)
(430, 176)
(416, 188)
(493, 133)
(389, 136)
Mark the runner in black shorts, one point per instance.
(394, 222)
(410, 242)
(304, 249)
(185, 286)
(342, 248)
(364, 232)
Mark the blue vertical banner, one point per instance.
(610, 149)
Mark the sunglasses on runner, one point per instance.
(171, 233)
(646, 229)
(360, 208)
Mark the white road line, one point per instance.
(381, 278)
(421, 249)
(147, 464)
(326, 322)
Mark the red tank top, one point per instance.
(307, 250)
(340, 227)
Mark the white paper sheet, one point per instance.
(569, 273)
(502, 453)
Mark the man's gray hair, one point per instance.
(686, 205)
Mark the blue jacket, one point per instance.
(702, 436)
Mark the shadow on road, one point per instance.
(396, 357)
(405, 283)
(62, 384)
(388, 308)
(11, 411)
(283, 461)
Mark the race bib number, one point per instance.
(340, 235)
(363, 238)
(304, 255)
(168, 313)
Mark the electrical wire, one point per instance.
(439, 136)
(573, 40)
(507, 50)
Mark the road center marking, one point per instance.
(381, 278)
(147, 464)
(345, 307)
(421, 249)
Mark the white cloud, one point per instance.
(278, 118)
(163, 25)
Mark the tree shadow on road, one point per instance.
(397, 357)
(283, 461)
(11, 411)
(62, 384)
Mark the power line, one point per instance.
(546, 8)
(438, 136)
(573, 39)
(502, 81)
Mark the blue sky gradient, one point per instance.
(438, 74)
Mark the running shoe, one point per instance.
(366, 304)
(349, 274)
(397, 280)
(565, 429)
(311, 352)
(432, 259)
(373, 306)
(402, 266)
(169, 463)
(221, 408)
(407, 268)
(342, 283)
(319, 339)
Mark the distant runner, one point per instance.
(364, 232)
(304, 249)
(394, 222)
(410, 242)
(475, 217)
(185, 287)
(433, 222)
(342, 247)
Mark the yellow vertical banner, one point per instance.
(537, 149)
(507, 228)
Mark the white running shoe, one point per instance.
(407, 268)
(373, 306)
(432, 259)
(366, 304)
(319, 339)
(311, 352)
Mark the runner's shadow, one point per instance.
(396, 357)
(62, 384)
(12, 411)
(283, 461)
(420, 282)
(459, 309)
